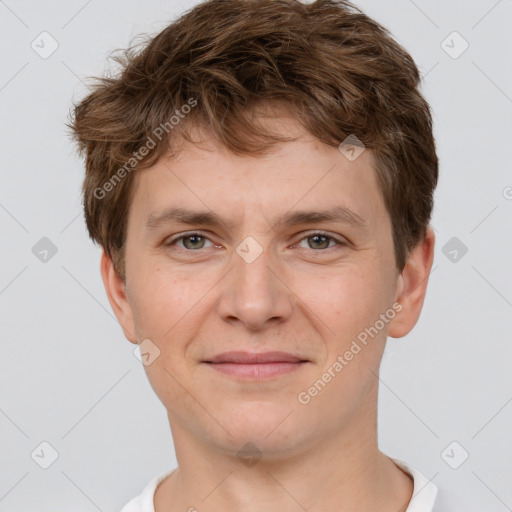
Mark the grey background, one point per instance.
(68, 376)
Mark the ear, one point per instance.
(412, 286)
(116, 293)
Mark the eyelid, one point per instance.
(173, 240)
(340, 240)
(306, 234)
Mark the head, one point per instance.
(212, 160)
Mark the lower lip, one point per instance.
(256, 371)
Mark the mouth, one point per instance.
(253, 366)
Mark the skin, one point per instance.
(304, 295)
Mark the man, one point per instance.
(260, 176)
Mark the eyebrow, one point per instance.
(202, 218)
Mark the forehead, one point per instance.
(302, 174)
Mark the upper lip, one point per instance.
(255, 358)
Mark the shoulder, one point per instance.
(424, 492)
(427, 497)
(144, 502)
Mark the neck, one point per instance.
(342, 472)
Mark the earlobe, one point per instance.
(412, 286)
(116, 293)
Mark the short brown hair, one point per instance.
(337, 70)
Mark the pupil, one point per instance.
(193, 239)
(317, 237)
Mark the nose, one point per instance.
(254, 293)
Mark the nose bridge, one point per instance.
(253, 293)
(253, 266)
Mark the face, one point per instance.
(289, 254)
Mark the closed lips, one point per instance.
(255, 358)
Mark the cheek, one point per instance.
(170, 306)
(346, 300)
(166, 309)
(159, 301)
(349, 306)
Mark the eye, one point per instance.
(320, 240)
(195, 241)
(191, 241)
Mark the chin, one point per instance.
(271, 427)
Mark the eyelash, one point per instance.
(310, 235)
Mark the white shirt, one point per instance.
(425, 496)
